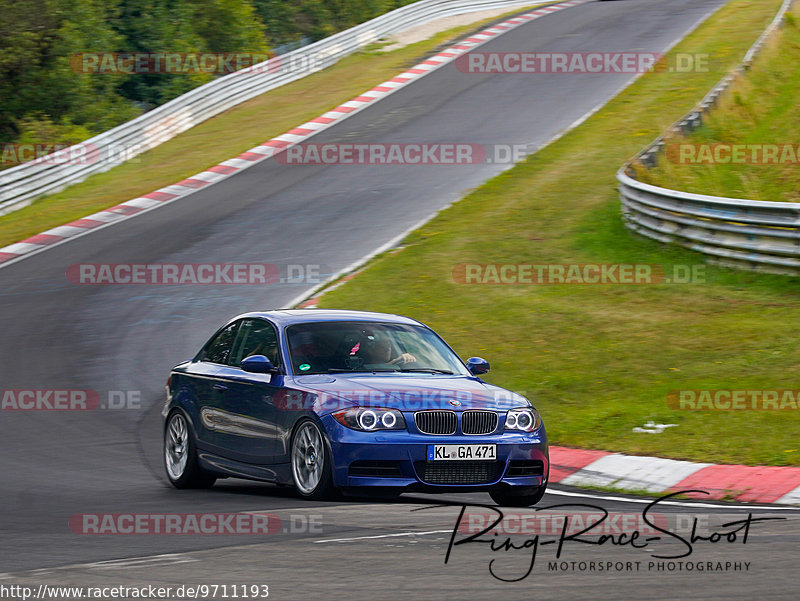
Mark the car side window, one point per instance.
(256, 337)
(220, 347)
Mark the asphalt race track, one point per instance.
(59, 335)
(394, 551)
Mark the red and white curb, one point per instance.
(40, 242)
(760, 484)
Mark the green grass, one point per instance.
(761, 108)
(600, 360)
(226, 135)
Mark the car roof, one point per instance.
(286, 317)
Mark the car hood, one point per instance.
(326, 393)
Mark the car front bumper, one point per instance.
(399, 459)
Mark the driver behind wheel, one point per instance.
(380, 351)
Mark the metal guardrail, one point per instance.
(20, 185)
(736, 232)
(742, 233)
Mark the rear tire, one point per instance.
(180, 455)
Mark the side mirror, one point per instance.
(477, 366)
(258, 364)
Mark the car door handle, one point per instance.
(220, 387)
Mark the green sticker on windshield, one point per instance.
(304, 367)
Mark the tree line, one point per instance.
(46, 99)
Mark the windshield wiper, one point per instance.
(427, 370)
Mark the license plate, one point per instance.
(462, 452)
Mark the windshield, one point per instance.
(340, 347)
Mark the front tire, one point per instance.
(506, 497)
(180, 455)
(312, 470)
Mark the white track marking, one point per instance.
(345, 540)
(565, 493)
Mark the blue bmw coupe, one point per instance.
(348, 401)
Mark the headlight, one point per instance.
(526, 419)
(369, 420)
